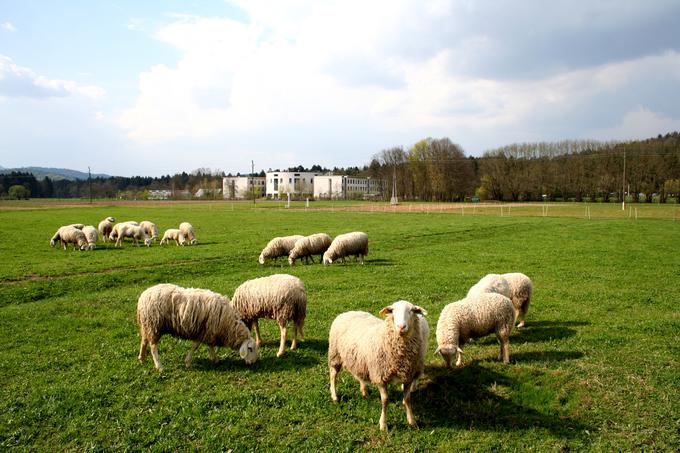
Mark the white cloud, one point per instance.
(8, 26)
(639, 122)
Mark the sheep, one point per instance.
(521, 288)
(188, 231)
(91, 235)
(150, 229)
(113, 235)
(279, 246)
(316, 244)
(280, 297)
(347, 244)
(129, 230)
(193, 314)
(105, 227)
(473, 317)
(69, 235)
(380, 351)
(173, 234)
(490, 283)
(77, 226)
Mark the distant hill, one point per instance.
(54, 173)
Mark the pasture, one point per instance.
(596, 368)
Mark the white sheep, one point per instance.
(91, 235)
(69, 235)
(194, 314)
(175, 235)
(280, 297)
(521, 289)
(316, 244)
(150, 229)
(380, 351)
(113, 235)
(491, 283)
(279, 246)
(473, 317)
(347, 244)
(129, 230)
(105, 227)
(188, 231)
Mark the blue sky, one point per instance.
(158, 87)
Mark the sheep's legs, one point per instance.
(333, 373)
(187, 359)
(156, 359)
(142, 350)
(459, 358)
(362, 387)
(213, 356)
(299, 329)
(408, 388)
(383, 401)
(282, 345)
(504, 354)
(258, 339)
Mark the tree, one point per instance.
(19, 192)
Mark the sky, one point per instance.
(158, 87)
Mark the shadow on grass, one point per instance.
(463, 398)
(539, 331)
(379, 262)
(545, 356)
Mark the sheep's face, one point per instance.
(248, 351)
(404, 315)
(291, 261)
(147, 242)
(327, 259)
(261, 259)
(82, 244)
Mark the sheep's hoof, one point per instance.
(279, 354)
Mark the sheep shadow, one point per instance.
(545, 356)
(540, 331)
(472, 397)
(379, 262)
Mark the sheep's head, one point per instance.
(248, 351)
(291, 260)
(261, 259)
(147, 241)
(328, 258)
(404, 315)
(82, 244)
(110, 219)
(194, 241)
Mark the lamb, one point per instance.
(150, 229)
(280, 297)
(491, 283)
(188, 231)
(114, 230)
(69, 235)
(316, 244)
(380, 351)
(194, 314)
(173, 234)
(129, 230)
(473, 317)
(279, 246)
(521, 288)
(347, 244)
(105, 227)
(91, 235)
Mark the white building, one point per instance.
(281, 183)
(241, 187)
(335, 186)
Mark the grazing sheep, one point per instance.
(114, 231)
(491, 283)
(279, 246)
(347, 244)
(105, 227)
(194, 314)
(69, 235)
(129, 230)
(91, 235)
(173, 234)
(473, 317)
(280, 297)
(316, 244)
(380, 351)
(521, 288)
(150, 229)
(188, 231)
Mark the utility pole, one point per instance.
(252, 179)
(89, 180)
(623, 185)
(394, 200)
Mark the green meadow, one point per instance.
(596, 368)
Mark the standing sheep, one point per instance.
(473, 317)
(90, 233)
(173, 234)
(188, 231)
(69, 235)
(316, 244)
(521, 289)
(114, 230)
(347, 244)
(490, 283)
(150, 229)
(279, 246)
(129, 230)
(380, 351)
(105, 227)
(280, 297)
(194, 314)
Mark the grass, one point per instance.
(597, 367)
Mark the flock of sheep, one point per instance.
(373, 350)
(85, 237)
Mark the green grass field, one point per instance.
(596, 368)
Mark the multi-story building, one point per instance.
(241, 187)
(281, 183)
(336, 186)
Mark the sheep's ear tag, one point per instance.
(385, 311)
(243, 352)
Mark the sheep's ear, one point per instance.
(385, 311)
(419, 310)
